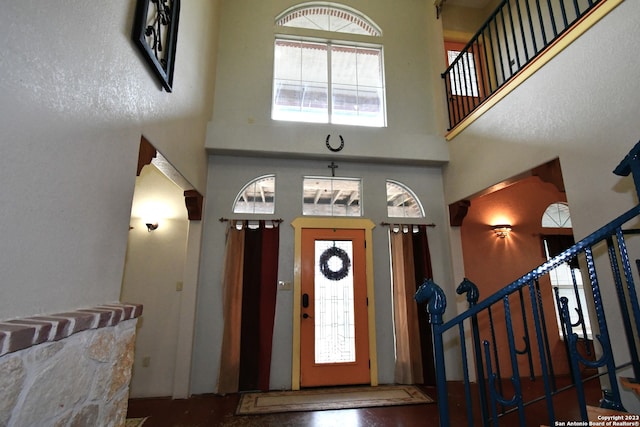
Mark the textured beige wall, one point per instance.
(412, 39)
(76, 97)
(155, 264)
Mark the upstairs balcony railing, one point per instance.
(511, 38)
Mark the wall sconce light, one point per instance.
(151, 227)
(502, 230)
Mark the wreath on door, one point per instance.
(340, 273)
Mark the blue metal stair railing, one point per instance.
(491, 392)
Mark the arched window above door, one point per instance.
(328, 17)
(402, 202)
(258, 196)
(557, 216)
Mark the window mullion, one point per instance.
(301, 77)
(357, 85)
(329, 84)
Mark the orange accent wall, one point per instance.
(492, 262)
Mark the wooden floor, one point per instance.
(214, 411)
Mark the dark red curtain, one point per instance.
(558, 243)
(423, 270)
(259, 290)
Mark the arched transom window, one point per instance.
(328, 17)
(258, 196)
(402, 201)
(557, 216)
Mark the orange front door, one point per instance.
(334, 334)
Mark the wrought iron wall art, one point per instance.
(155, 32)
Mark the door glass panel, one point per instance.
(334, 308)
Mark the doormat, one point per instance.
(329, 398)
(135, 422)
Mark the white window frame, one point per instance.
(409, 195)
(335, 26)
(557, 215)
(333, 193)
(242, 205)
(331, 115)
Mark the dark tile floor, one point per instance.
(219, 411)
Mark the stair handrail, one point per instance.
(596, 237)
(434, 297)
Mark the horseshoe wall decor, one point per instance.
(335, 150)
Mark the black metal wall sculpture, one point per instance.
(155, 32)
(335, 150)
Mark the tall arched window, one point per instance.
(338, 81)
(258, 196)
(402, 202)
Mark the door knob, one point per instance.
(305, 316)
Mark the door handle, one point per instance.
(305, 316)
(305, 300)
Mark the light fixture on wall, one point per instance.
(502, 230)
(151, 226)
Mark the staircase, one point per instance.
(507, 332)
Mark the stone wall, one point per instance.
(69, 369)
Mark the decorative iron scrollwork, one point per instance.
(155, 32)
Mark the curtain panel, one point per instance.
(411, 264)
(249, 295)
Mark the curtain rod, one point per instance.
(222, 219)
(398, 223)
(279, 220)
